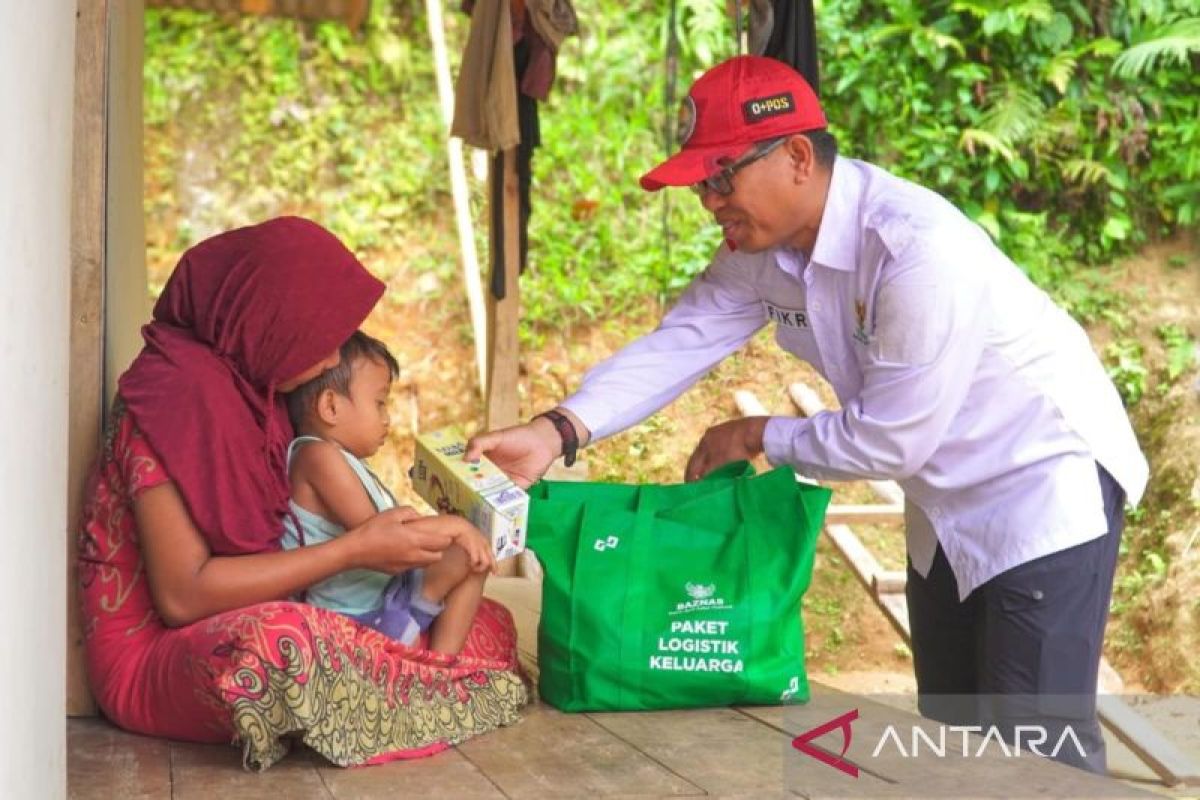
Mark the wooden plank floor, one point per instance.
(723, 752)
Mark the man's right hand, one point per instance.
(524, 452)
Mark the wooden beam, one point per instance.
(863, 515)
(86, 376)
(503, 362)
(810, 405)
(458, 189)
(1155, 751)
(126, 293)
(503, 406)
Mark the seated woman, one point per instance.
(188, 626)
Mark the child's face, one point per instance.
(362, 420)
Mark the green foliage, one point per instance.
(1181, 351)
(601, 242)
(250, 117)
(1127, 370)
(1068, 130)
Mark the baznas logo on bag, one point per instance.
(701, 598)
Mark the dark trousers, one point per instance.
(1024, 648)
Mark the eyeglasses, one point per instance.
(721, 182)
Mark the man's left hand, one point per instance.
(735, 440)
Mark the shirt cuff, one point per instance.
(592, 413)
(778, 436)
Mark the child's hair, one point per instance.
(302, 399)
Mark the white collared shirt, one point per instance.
(958, 377)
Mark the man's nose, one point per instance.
(711, 200)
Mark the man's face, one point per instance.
(760, 213)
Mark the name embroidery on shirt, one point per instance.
(787, 317)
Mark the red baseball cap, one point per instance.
(731, 107)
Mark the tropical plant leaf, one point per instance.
(1058, 70)
(1085, 171)
(1171, 43)
(972, 138)
(1013, 114)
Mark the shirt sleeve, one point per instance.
(929, 333)
(715, 316)
(140, 466)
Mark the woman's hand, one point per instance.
(398, 539)
(188, 582)
(734, 440)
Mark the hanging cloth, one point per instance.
(531, 137)
(793, 37)
(485, 96)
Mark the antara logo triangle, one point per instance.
(803, 743)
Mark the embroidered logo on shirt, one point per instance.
(860, 311)
(761, 108)
(787, 317)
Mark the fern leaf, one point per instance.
(1171, 43)
(1013, 115)
(972, 138)
(1085, 171)
(1059, 69)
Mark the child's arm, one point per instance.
(323, 483)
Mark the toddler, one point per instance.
(340, 417)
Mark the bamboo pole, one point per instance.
(458, 188)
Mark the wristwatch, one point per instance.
(566, 431)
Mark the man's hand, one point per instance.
(734, 440)
(526, 451)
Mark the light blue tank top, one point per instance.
(357, 591)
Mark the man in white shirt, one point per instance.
(958, 378)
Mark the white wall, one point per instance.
(37, 44)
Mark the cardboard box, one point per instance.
(480, 492)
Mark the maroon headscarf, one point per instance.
(242, 312)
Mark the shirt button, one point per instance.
(816, 306)
(1037, 594)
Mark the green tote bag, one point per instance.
(674, 596)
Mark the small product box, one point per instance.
(480, 492)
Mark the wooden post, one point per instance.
(86, 377)
(109, 300)
(458, 188)
(503, 403)
(126, 296)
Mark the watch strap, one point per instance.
(566, 432)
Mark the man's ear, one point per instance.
(327, 406)
(802, 157)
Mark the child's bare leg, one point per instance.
(451, 582)
(449, 631)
